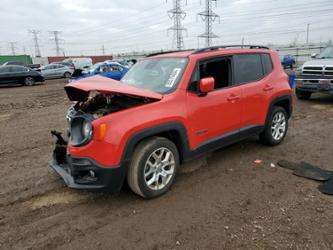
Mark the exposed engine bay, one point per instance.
(100, 104)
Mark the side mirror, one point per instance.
(314, 55)
(206, 85)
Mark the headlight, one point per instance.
(81, 131)
(86, 129)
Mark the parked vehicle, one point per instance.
(20, 75)
(111, 70)
(56, 71)
(170, 108)
(316, 75)
(80, 63)
(288, 61)
(70, 65)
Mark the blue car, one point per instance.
(111, 70)
(288, 61)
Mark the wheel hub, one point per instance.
(159, 168)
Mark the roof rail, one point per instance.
(212, 48)
(167, 52)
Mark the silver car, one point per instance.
(56, 71)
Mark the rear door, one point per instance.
(252, 73)
(5, 74)
(216, 114)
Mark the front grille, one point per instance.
(329, 68)
(313, 70)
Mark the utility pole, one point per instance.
(12, 47)
(242, 41)
(56, 38)
(36, 43)
(177, 15)
(307, 33)
(103, 50)
(208, 16)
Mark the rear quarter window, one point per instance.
(266, 63)
(248, 68)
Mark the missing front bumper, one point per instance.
(85, 173)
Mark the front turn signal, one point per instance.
(102, 131)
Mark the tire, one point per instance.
(303, 95)
(67, 75)
(29, 81)
(278, 118)
(146, 172)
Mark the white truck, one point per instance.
(316, 75)
(80, 62)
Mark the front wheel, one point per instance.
(303, 95)
(29, 81)
(276, 127)
(153, 167)
(67, 75)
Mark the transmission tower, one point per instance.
(36, 43)
(103, 50)
(56, 38)
(209, 17)
(177, 15)
(12, 46)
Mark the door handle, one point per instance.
(233, 98)
(268, 88)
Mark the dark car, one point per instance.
(20, 75)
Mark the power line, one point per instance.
(56, 34)
(208, 16)
(177, 15)
(36, 43)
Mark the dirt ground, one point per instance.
(221, 201)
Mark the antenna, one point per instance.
(208, 16)
(56, 34)
(177, 15)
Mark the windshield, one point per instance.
(160, 75)
(326, 53)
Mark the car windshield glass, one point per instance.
(326, 53)
(160, 75)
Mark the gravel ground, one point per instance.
(221, 201)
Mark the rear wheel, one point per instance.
(276, 127)
(153, 167)
(29, 81)
(303, 95)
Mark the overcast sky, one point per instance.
(127, 25)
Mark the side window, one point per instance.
(17, 69)
(4, 69)
(219, 69)
(266, 63)
(248, 68)
(116, 68)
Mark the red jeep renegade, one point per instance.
(169, 108)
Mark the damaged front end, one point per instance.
(94, 98)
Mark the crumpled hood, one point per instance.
(319, 62)
(79, 90)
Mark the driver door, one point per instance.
(216, 115)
